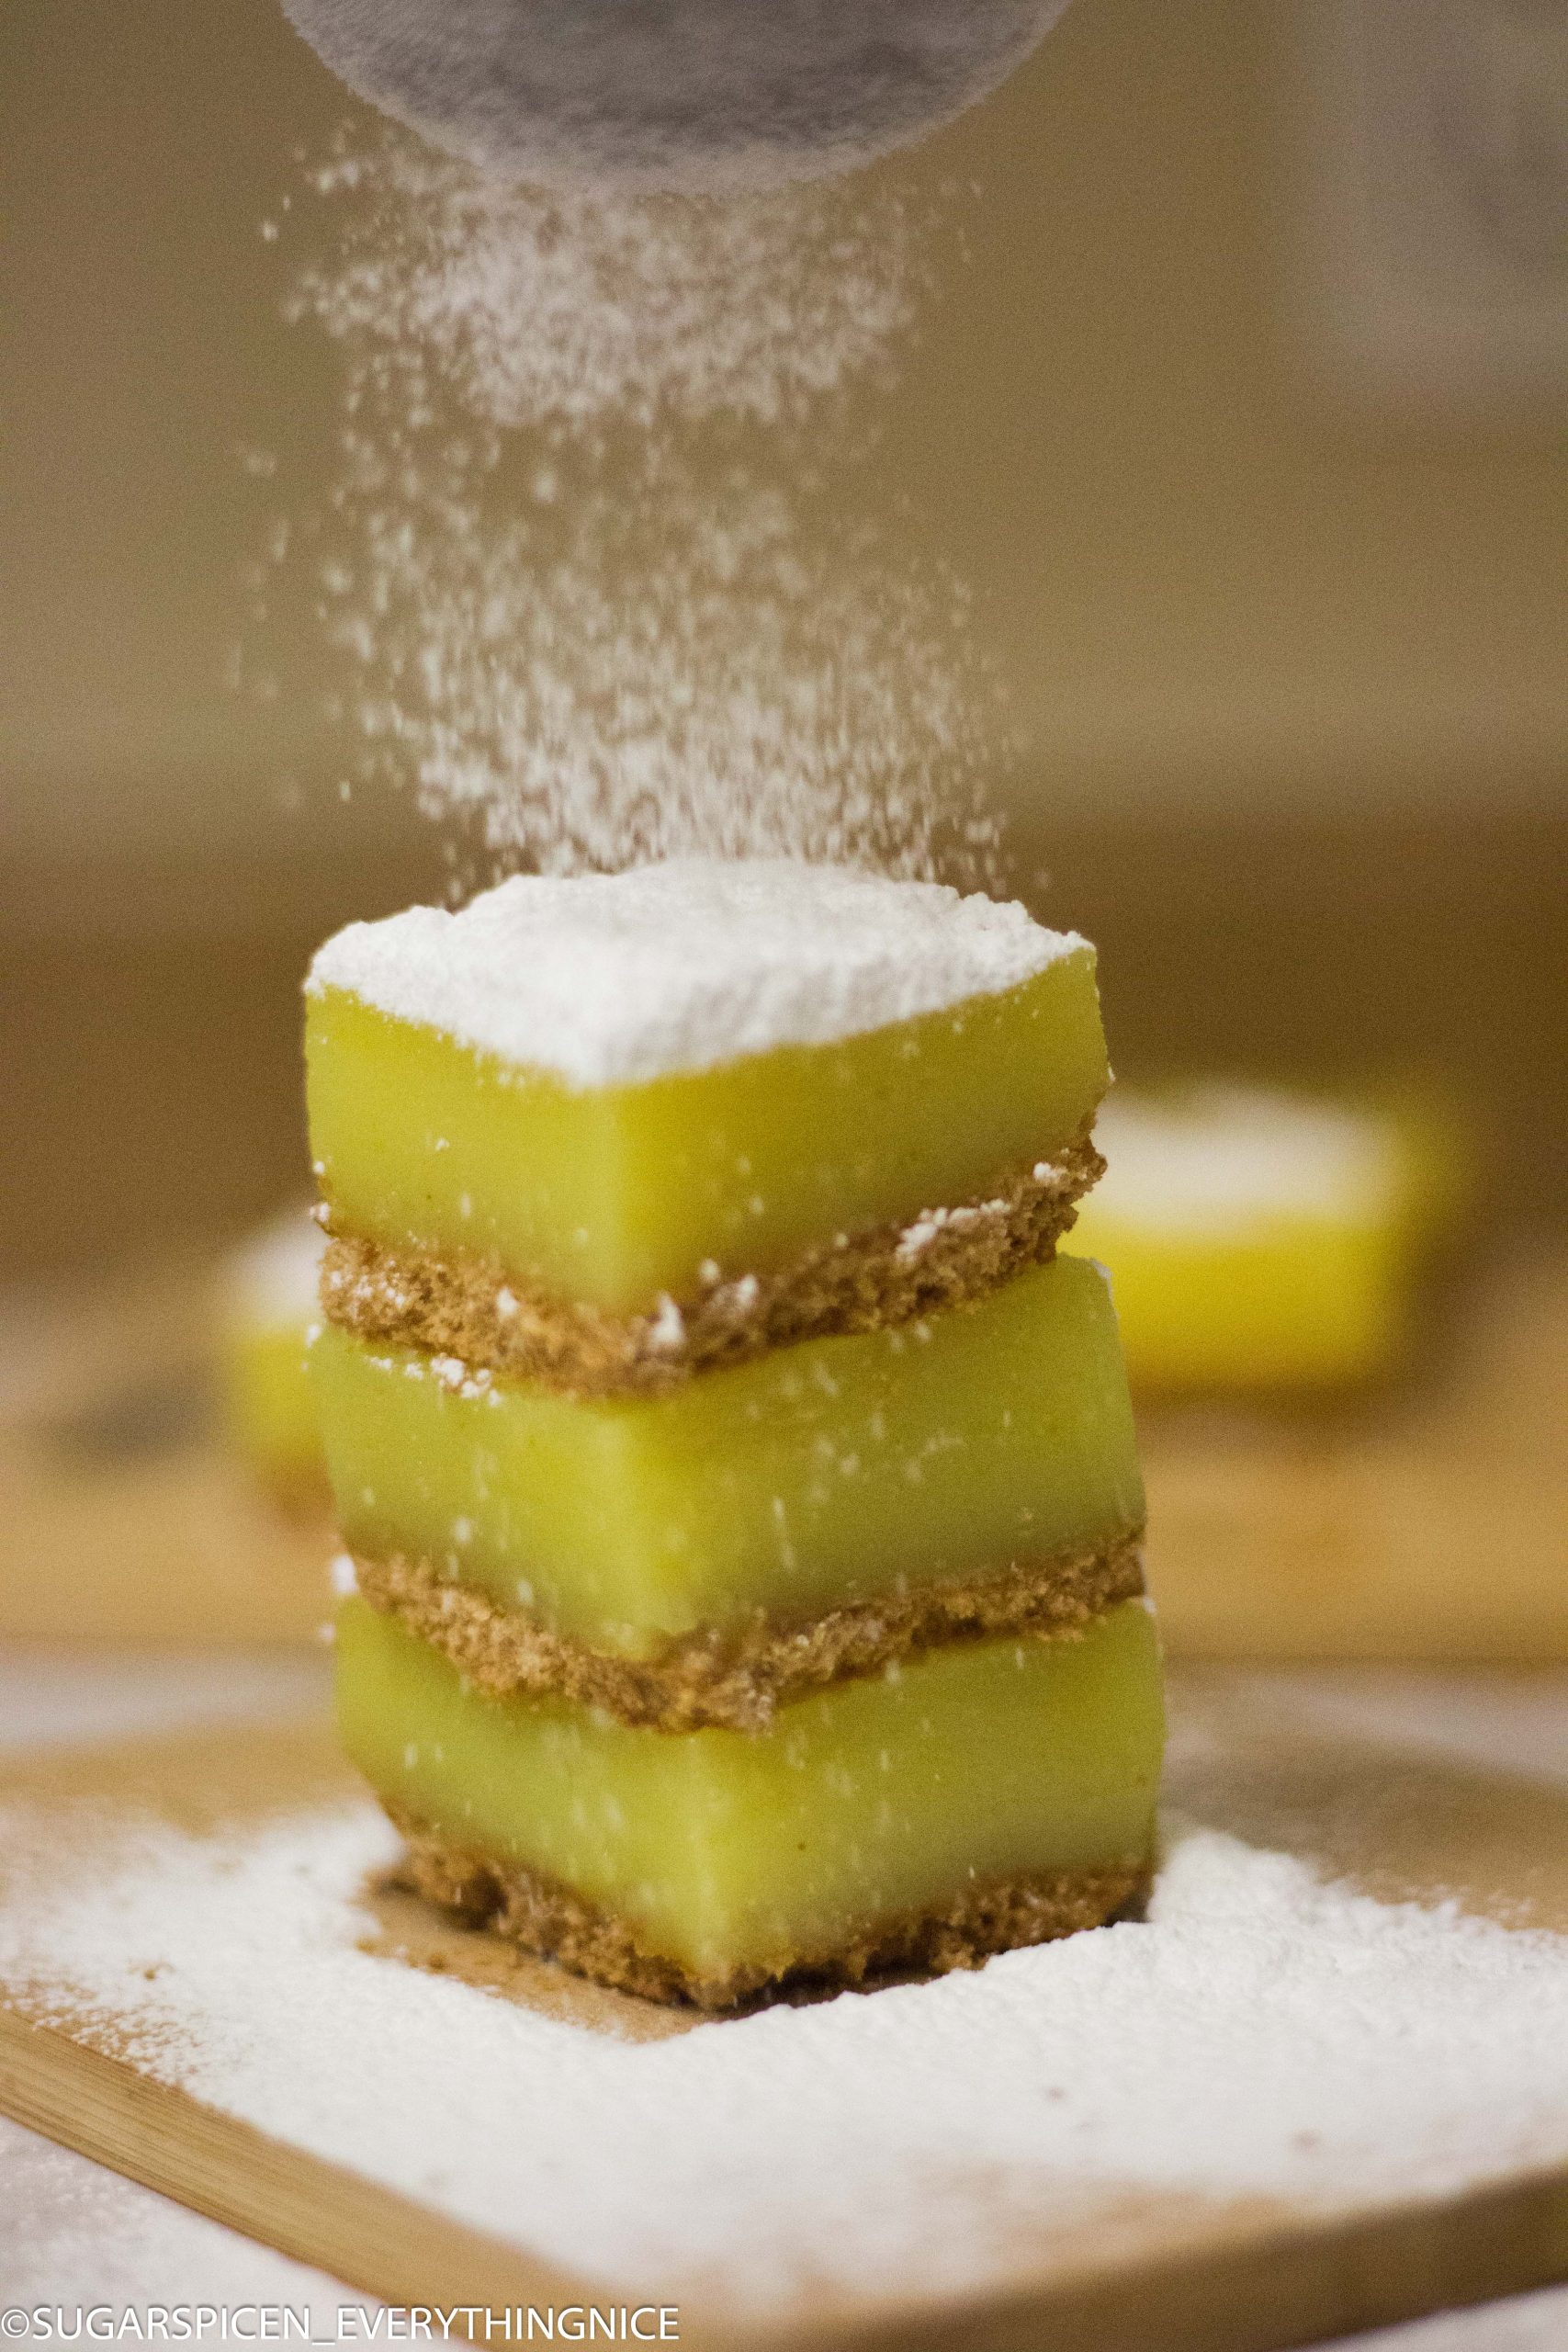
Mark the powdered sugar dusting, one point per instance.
(916, 1237)
(1260, 2034)
(606, 978)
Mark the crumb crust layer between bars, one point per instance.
(733, 1681)
(545, 1917)
(496, 1320)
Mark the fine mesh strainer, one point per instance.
(700, 94)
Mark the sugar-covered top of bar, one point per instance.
(609, 979)
(1219, 1155)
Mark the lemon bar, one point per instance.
(739, 1493)
(616, 1128)
(1258, 1241)
(693, 1557)
(267, 1304)
(984, 1795)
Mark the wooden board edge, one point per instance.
(1271, 2288)
(1287, 2285)
(371, 2237)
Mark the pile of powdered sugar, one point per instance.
(610, 978)
(1261, 2034)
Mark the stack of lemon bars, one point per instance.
(739, 1492)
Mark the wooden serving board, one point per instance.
(1143, 2273)
(1430, 1522)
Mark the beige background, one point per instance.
(1201, 580)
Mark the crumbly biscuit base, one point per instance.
(546, 1917)
(467, 1307)
(737, 1678)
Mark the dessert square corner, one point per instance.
(682, 1094)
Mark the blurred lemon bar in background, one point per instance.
(267, 1302)
(1261, 1240)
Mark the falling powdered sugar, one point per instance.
(542, 308)
(1260, 2034)
(724, 692)
(595, 568)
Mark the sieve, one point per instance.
(713, 96)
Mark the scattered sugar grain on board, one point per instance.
(1261, 2034)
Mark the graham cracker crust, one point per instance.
(468, 1308)
(735, 1679)
(546, 1917)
